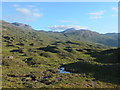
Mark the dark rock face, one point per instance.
(22, 25)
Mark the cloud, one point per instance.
(63, 27)
(37, 15)
(23, 10)
(114, 15)
(97, 15)
(28, 12)
(115, 9)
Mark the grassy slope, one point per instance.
(38, 55)
(91, 36)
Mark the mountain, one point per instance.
(109, 39)
(114, 35)
(33, 59)
(82, 33)
(70, 30)
(22, 25)
(111, 34)
(88, 35)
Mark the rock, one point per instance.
(10, 57)
(94, 83)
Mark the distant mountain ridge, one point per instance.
(109, 39)
(22, 25)
(82, 32)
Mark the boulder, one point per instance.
(10, 57)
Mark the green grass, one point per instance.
(39, 55)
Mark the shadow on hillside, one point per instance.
(106, 73)
(107, 56)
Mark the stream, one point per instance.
(62, 70)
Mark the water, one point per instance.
(62, 70)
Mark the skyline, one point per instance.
(57, 16)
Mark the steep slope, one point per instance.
(87, 35)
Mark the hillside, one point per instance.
(109, 39)
(91, 36)
(32, 59)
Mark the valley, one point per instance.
(33, 59)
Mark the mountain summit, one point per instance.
(83, 35)
(92, 36)
(22, 25)
(81, 32)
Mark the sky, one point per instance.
(101, 17)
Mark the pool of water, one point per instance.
(62, 70)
